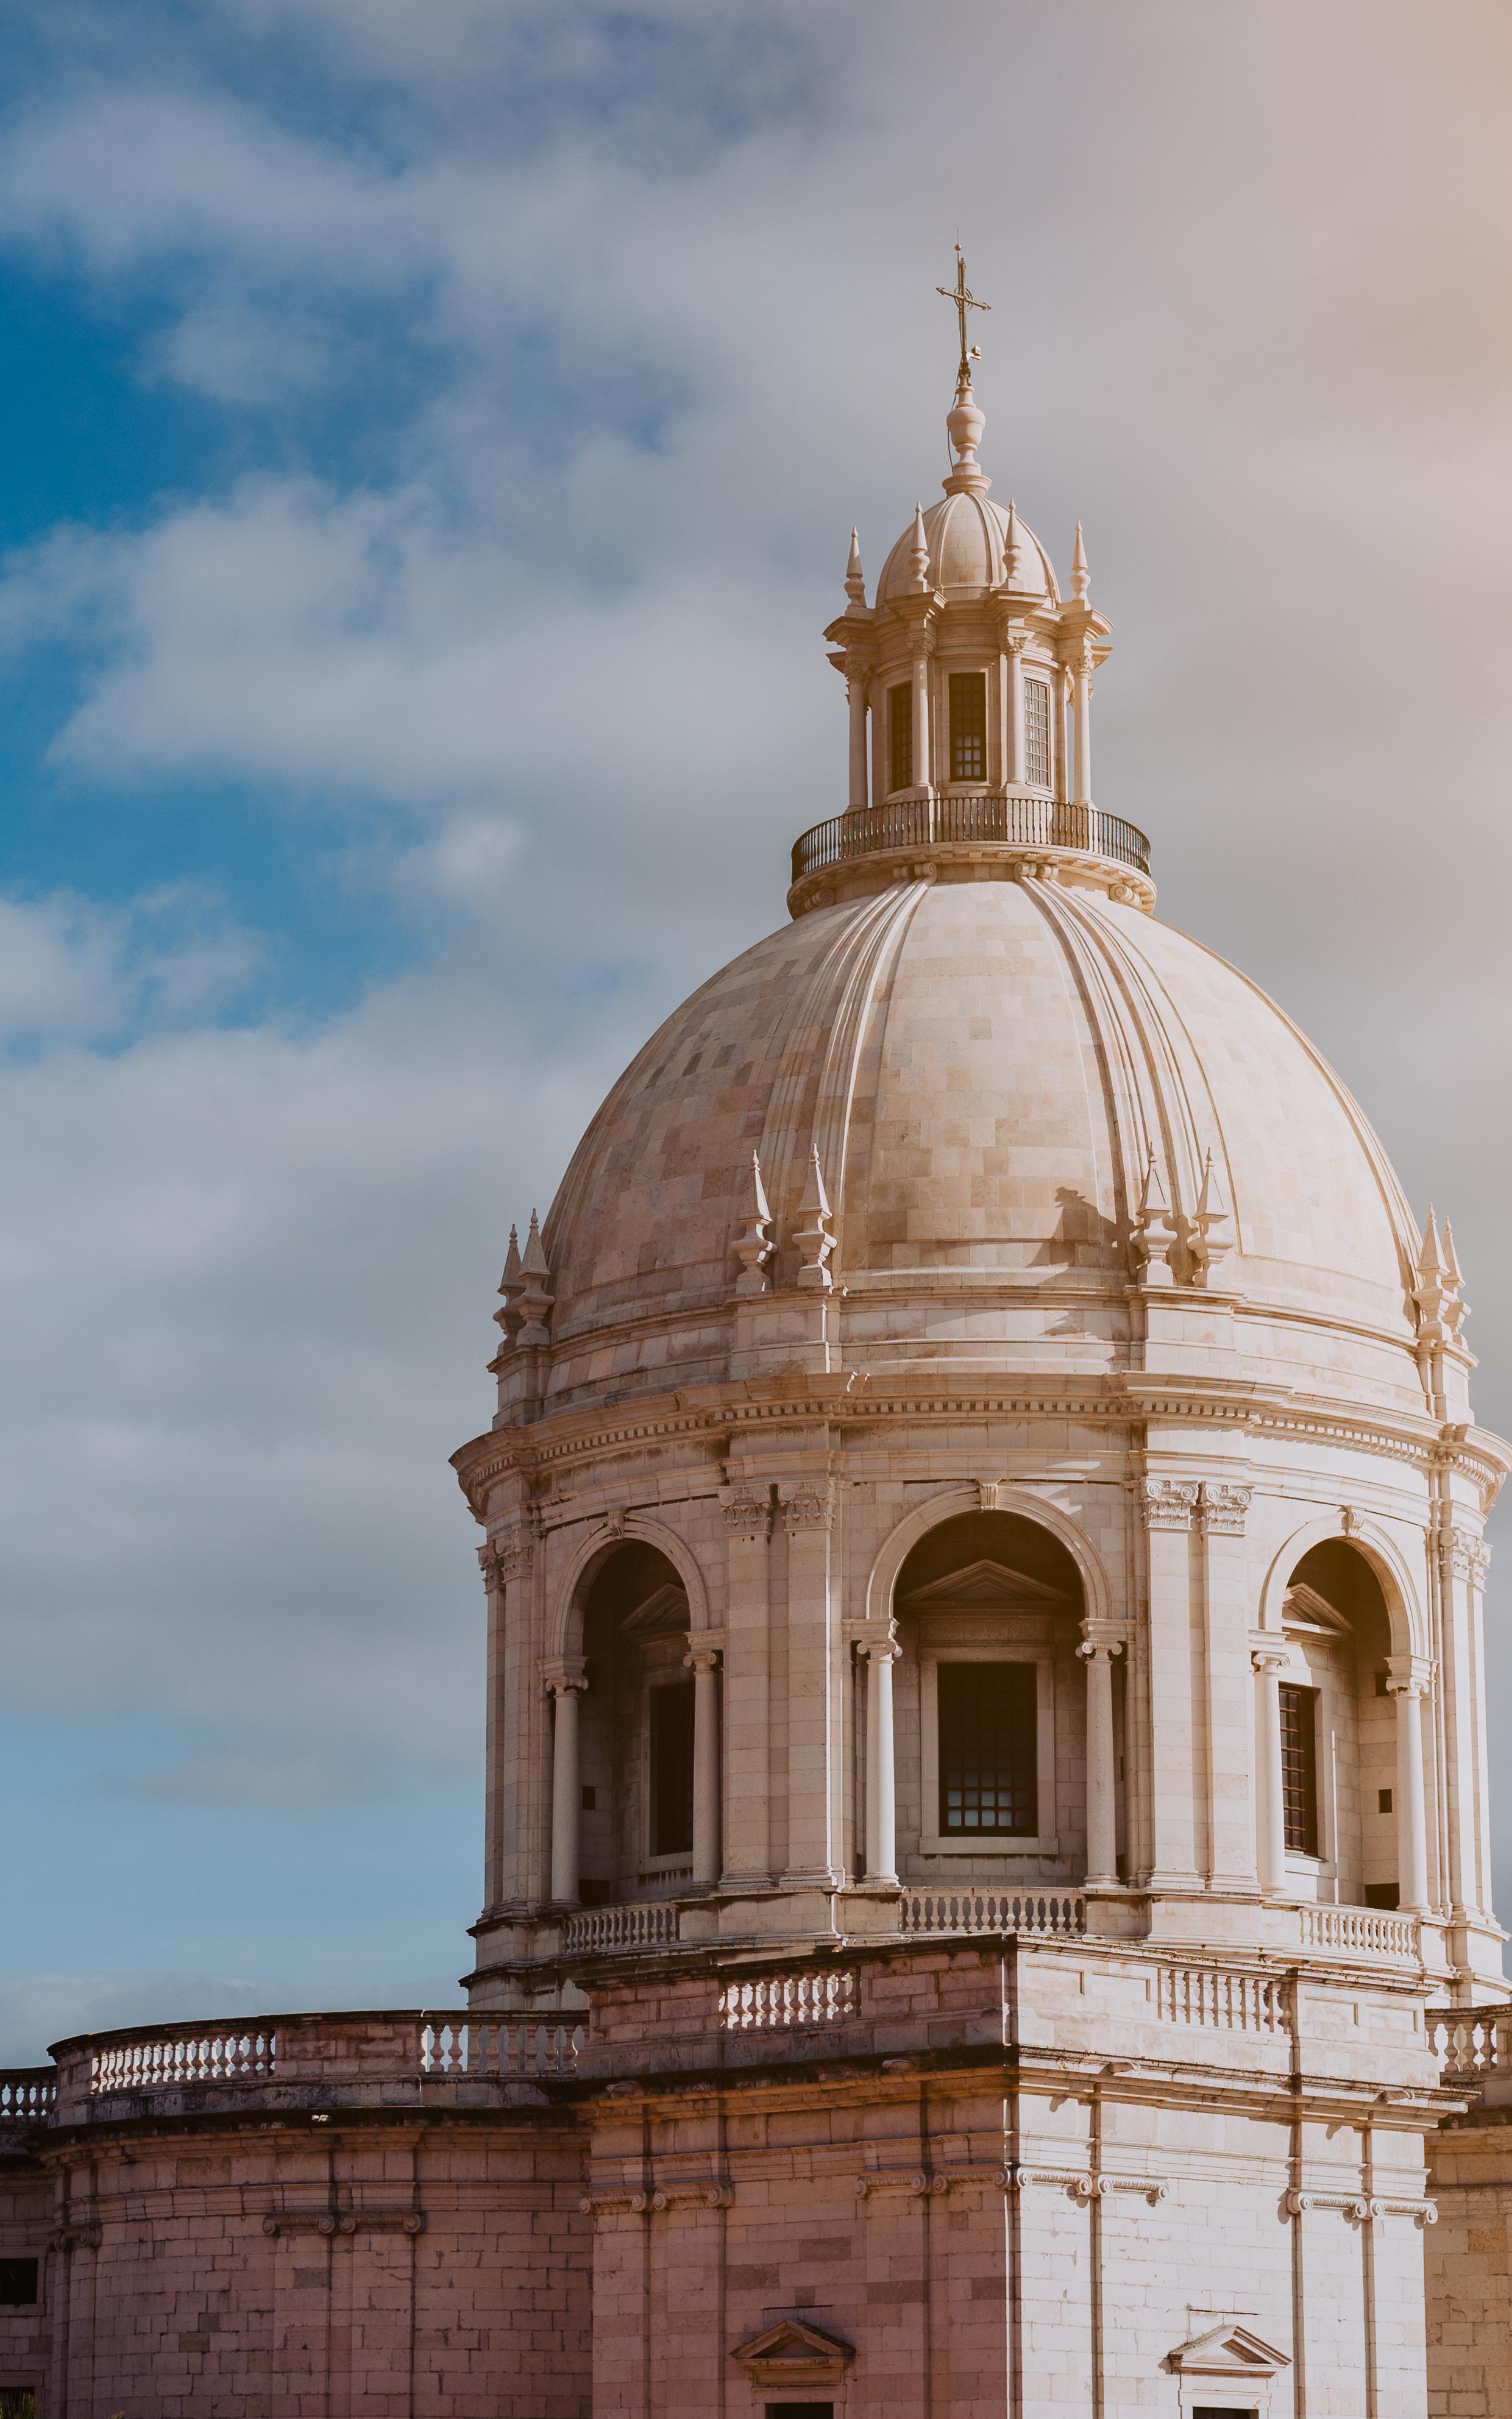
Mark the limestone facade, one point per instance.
(987, 1898)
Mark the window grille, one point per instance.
(901, 737)
(989, 1749)
(1299, 1768)
(671, 1769)
(1037, 734)
(969, 726)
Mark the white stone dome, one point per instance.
(986, 1067)
(967, 535)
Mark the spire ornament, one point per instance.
(1080, 577)
(918, 550)
(753, 1249)
(1206, 1242)
(812, 1235)
(535, 1291)
(511, 1286)
(855, 577)
(1155, 1230)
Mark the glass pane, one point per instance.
(1037, 734)
(989, 1749)
(671, 1769)
(969, 726)
(1299, 1768)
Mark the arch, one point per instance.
(1404, 1610)
(564, 1625)
(949, 1505)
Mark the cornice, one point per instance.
(719, 1416)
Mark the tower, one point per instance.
(983, 1542)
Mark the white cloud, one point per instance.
(563, 630)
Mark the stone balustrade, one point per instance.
(1044, 1916)
(411, 2058)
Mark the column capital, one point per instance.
(807, 1503)
(1101, 1637)
(878, 1646)
(564, 1675)
(1269, 1654)
(1169, 1502)
(508, 1556)
(1223, 1510)
(1409, 1675)
(1469, 1554)
(748, 1511)
(702, 1656)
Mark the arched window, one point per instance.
(990, 1703)
(1338, 1728)
(637, 1729)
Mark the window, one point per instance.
(20, 2402)
(901, 737)
(671, 1769)
(17, 2282)
(1299, 1768)
(800, 2411)
(1209, 2410)
(1037, 734)
(1383, 1801)
(1382, 1894)
(989, 1749)
(969, 726)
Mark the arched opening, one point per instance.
(1339, 1732)
(637, 1731)
(990, 1705)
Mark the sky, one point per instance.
(429, 440)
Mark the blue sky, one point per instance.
(430, 434)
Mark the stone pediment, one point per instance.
(1228, 2353)
(1304, 1609)
(986, 1587)
(792, 2353)
(657, 1615)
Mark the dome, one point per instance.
(968, 537)
(993, 1072)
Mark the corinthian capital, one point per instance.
(1223, 1510)
(1168, 1502)
(807, 1503)
(748, 1511)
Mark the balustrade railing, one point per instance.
(1202, 1994)
(29, 2094)
(1012, 819)
(175, 2057)
(1472, 2044)
(1364, 1930)
(788, 2002)
(501, 2046)
(649, 1923)
(1059, 1916)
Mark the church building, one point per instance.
(987, 1908)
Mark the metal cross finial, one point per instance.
(965, 301)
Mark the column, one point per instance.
(1082, 725)
(1014, 752)
(856, 690)
(1407, 1681)
(1227, 1592)
(1170, 1505)
(1271, 1813)
(565, 1683)
(807, 1509)
(881, 1770)
(747, 1829)
(923, 779)
(1462, 1559)
(1097, 1652)
(706, 1663)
